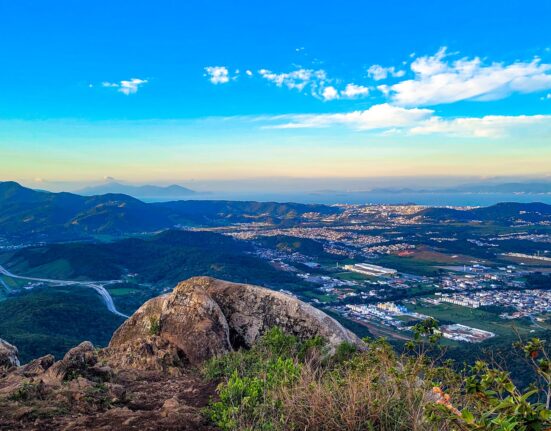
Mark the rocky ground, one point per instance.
(148, 377)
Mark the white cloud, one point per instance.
(439, 81)
(218, 74)
(298, 79)
(383, 116)
(131, 87)
(249, 72)
(387, 119)
(316, 82)
(353, 91)
(430, 65)
(126, 87)
(330, 93)
(378, 72)
(490, 126)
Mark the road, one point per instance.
(96, 285)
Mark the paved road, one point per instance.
(96, 285)
(3, 283)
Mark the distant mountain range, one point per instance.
(39, 215)
(504, 213)
(148, 192)
(32, 215)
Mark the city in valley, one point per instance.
(388, 267)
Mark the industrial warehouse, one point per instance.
(368, 269)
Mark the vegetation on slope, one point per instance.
(54, 319)
(283, 384)
(165, 259)
(504, 212)
(291, 244)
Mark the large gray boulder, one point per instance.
(141, 324)
(252, 310)
(185, 326)
(194, 323)
(204, 317)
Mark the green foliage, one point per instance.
(283, 384)
(249, 376)
(54, 319)
(496, 404)
(344, 352)
(28, 391)
(166, 258)
(98, 396)
(154, 326)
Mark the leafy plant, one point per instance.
(154, 326)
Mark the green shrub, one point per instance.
(154, 326)
(98, 396)
(283, 384)
(28, 391)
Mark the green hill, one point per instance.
(43, 216)
(505, 212)
(164, 258)
(54, 319)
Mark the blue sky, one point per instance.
(169, 91)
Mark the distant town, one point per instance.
(383, 267)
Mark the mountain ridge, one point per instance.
(37, 215)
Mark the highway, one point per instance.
(96, 285)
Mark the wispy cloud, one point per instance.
(299, 79)
(490, 126)
(316, 82)
(218, 74)
(378, 72)
(433, 80)
(383, 116)
(126, 87)
(438, 80)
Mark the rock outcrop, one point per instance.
(252, 310)
(186, 326)
(146, 378)
(8, 355)
(80, 361)
(205, 317)
(194, 323)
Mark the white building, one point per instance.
(368, 269)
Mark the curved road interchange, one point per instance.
(96, 285)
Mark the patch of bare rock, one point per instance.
(147, 378)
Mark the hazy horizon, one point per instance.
(432, 191)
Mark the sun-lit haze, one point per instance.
(279, 97)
